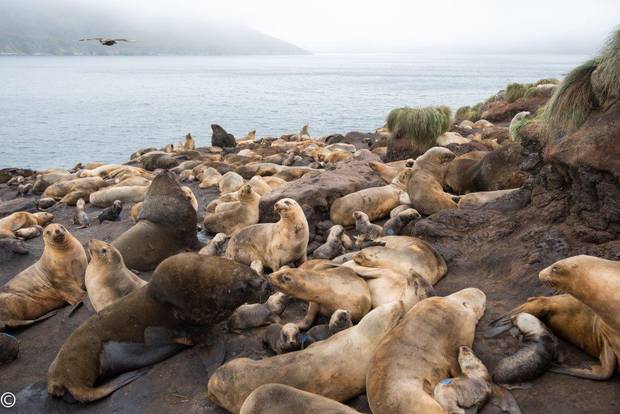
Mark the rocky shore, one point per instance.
(564, 201)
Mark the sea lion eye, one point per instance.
(104, 250)
(286, 278)
(556, 269)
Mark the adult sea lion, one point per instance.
(125, 194)
(22, 219)
(107, 278)
(51, 282)
(60, 189)
(425, 185)
(422, 350)
(231, 181)
(167, 226)
(185, 290)
(283, 399)
(478, 199)
(274, 244)
(338, 364)
(243, 213)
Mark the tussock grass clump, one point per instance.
(573, 101)
(544, 81)
(606, 77)
(417, 128)
(470, 113)
(514, 128)
(515, 91)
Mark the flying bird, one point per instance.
(107, 42)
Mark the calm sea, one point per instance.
(56, 111)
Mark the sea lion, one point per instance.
(328, 287)
(28, 233)
(425, 185)
(419, 256)
(22, 219)
(167, 226)
(112, 213)
(274, 244)
(208, 177)
(107, 278)
(470, 390)
(394, 212)
(473, 200)
(157, 160)
(185, 290)
(419, 352)
(539, 351)
(282, 338)
(136, 209)
(333, 246)
(190, 196)
(364, 228)
(339, 321)
(61, 188)
(396, 224)
(51, 282)
(127, 194)
(254, 315)
(23, 189)
(189, 144)
(242, 214)
(335, 374)
(460, 172)
(215, 247)
(259, 185)
(231, 181)
(587, 317)
(80, 217)
(282, 399)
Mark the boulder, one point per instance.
(221, 138)
(317, 190)
(503, 111)
(7, 173)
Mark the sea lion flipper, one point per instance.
(504, 399)
(84, 394)
(160, 336)
(16, 323)
(499, 326)
(120, 357)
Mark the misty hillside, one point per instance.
(54, 27)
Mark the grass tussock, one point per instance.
(606, 78)
(469, 113)
(421, 126)
(515, 91)
(545, 81)
(514, 128)
(573, 101)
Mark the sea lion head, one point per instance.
(340, 320)
(287, 280)
(287, 207)
(189, 194)
(421, 287)
(80, 203)
(245, 192)
(472, 299)
(43, 217)
(563, 274)
(204, 290)
(335, 232)
(103, 253)
(409, 215)
(470, 364)
(365, 257)
(117, 204)
(55, 235)
(290, 337)
(435, 160)
(360, 216)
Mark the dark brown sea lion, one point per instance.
(150, 324)
(166, 226)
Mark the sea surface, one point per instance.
(57, 111)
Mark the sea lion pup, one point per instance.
(419, 352)
(231, 181)
(339, 321)
(112, 213)
(126, 194)
(274, 244)
(22, 219)
(470, 390)
(23, 189)
(282, 338)
(208, 177)
(51, 282)
(167, 221)
(395, 225)
(327, 287)
(253, 315)
(335, 374)
(80, 217)
(9, 348)
(215, 247)
(534, 358)
(478, 199)
(186, 290)
(425, 187)
(15, 181)
(282, 399)
(107, 278)
(376, 202)
(28, 233)
(419, 256)
(587, 317)
(366, 229)
(243, 213)
(333, 246)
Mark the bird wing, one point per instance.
(124, 40)
(91, 38)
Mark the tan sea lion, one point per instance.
(107, 278)
(332, 288)
(259, 185)
(335, 374)
(460, 172)
(282, 399)
(419, 256)
(243, 213)
(208, 177)
(190, 196)
(107, 196)
(282, 338)
(231, 181)
(274, 244)
(54, 280)
(22, 219)
(185, 290)
(422, 350)
(425, 186)
(61, 188)
(587, 316)
(473, 200)
(136, 209)
(189, 144)
(215, 247)
(253, 315)
(28, 233)
(167, 226)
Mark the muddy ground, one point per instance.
(497, 250)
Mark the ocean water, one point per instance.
(57, 111)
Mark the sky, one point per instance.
(483, 26)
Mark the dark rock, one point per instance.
(17, 204)
(221, 138)
(503, 111)
(9, 348)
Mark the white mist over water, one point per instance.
(57, 111)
